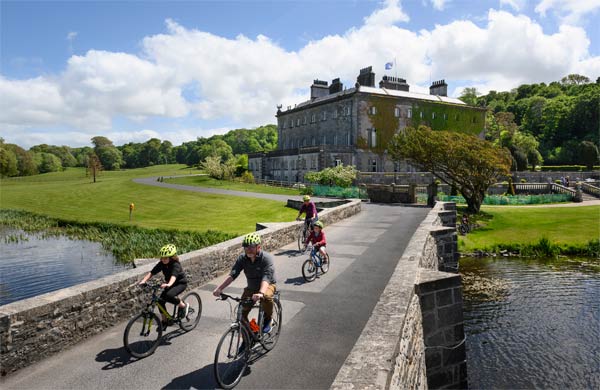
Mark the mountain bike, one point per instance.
(303, 234)
(144, 331)
(312, 265)
(236, 344)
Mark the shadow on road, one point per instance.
(297, 281)
(289, 253)
(203, 378)
(116, 358)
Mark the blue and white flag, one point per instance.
(389, 65)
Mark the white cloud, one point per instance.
(439, 4)
(517, 5)
(509, 47)
(390, 14)
(71, 35)
(570, 11)
(239, 81)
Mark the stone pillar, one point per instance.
(578, 198)
(440, 297)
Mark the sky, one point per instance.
(179, 70)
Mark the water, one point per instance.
(532, 324)
(39, 265)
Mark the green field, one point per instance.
(70, 195)
(206, 181)
(527, 225)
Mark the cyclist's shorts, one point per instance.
(312, 223)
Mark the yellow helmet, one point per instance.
(305, 198)
(251, 239)
(168, 250)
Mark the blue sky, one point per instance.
(177, 70)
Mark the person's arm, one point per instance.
(323, 241)
(172, 280)
(217, 291)
(261, 291)
(145, 278)
(314, 210)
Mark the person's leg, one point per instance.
(172, 297)
(323, 253)
(267, 306)
(246, 308)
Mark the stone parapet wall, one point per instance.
(414, 337)
(38, 327)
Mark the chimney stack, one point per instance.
(366, 77)
(439, 88)
(318, 89)
(336, 86)
(389, 82)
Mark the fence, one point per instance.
(590, 189)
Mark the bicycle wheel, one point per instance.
(325, 265)
(231, 357)
(273, 336)
(142, 335)
(301, 239)
(309, 271)
(194, 313)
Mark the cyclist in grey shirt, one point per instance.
(260, 276)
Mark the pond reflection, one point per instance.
(32, 265)
(532, 323)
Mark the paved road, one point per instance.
(283, 198)
(322, 321)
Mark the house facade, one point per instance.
(353, 126)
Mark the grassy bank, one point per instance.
(124, 242)
(71, 196)
(206, 181)
(535, 230)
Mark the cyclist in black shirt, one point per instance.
(175, 279)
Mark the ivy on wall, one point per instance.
(447, 117)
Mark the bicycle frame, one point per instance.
(316, 257)
(155, 302)
(240, 321)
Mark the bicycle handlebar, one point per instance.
(224, 297)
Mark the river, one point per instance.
(34, 265)
(532, 323)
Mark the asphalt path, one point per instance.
(152, 181)
(321, 321)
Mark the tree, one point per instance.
(110, 157)
(575, 79)
(212, 166)
(341, 176)
(469, 96)
(93, 165)
(47, 162)
(589, 154)
(25, 164)
(100, 141)
(8, 161)
(468, 162)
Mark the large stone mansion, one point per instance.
(353, 126)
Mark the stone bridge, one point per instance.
(385, 316)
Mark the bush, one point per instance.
(523, 181)
(562, 168)
(247, 177)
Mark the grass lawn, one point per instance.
(206, 181)
(524, 225)
(71, 195)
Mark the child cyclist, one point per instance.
(175, 280)
(317, 238)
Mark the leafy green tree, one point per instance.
(100, 141)
(47, 162)
(575, 79)
(216, 148)
(25, 164)
(589, 154)
(469, 96)
(110, 157)
(466, 161)
(8, 161)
